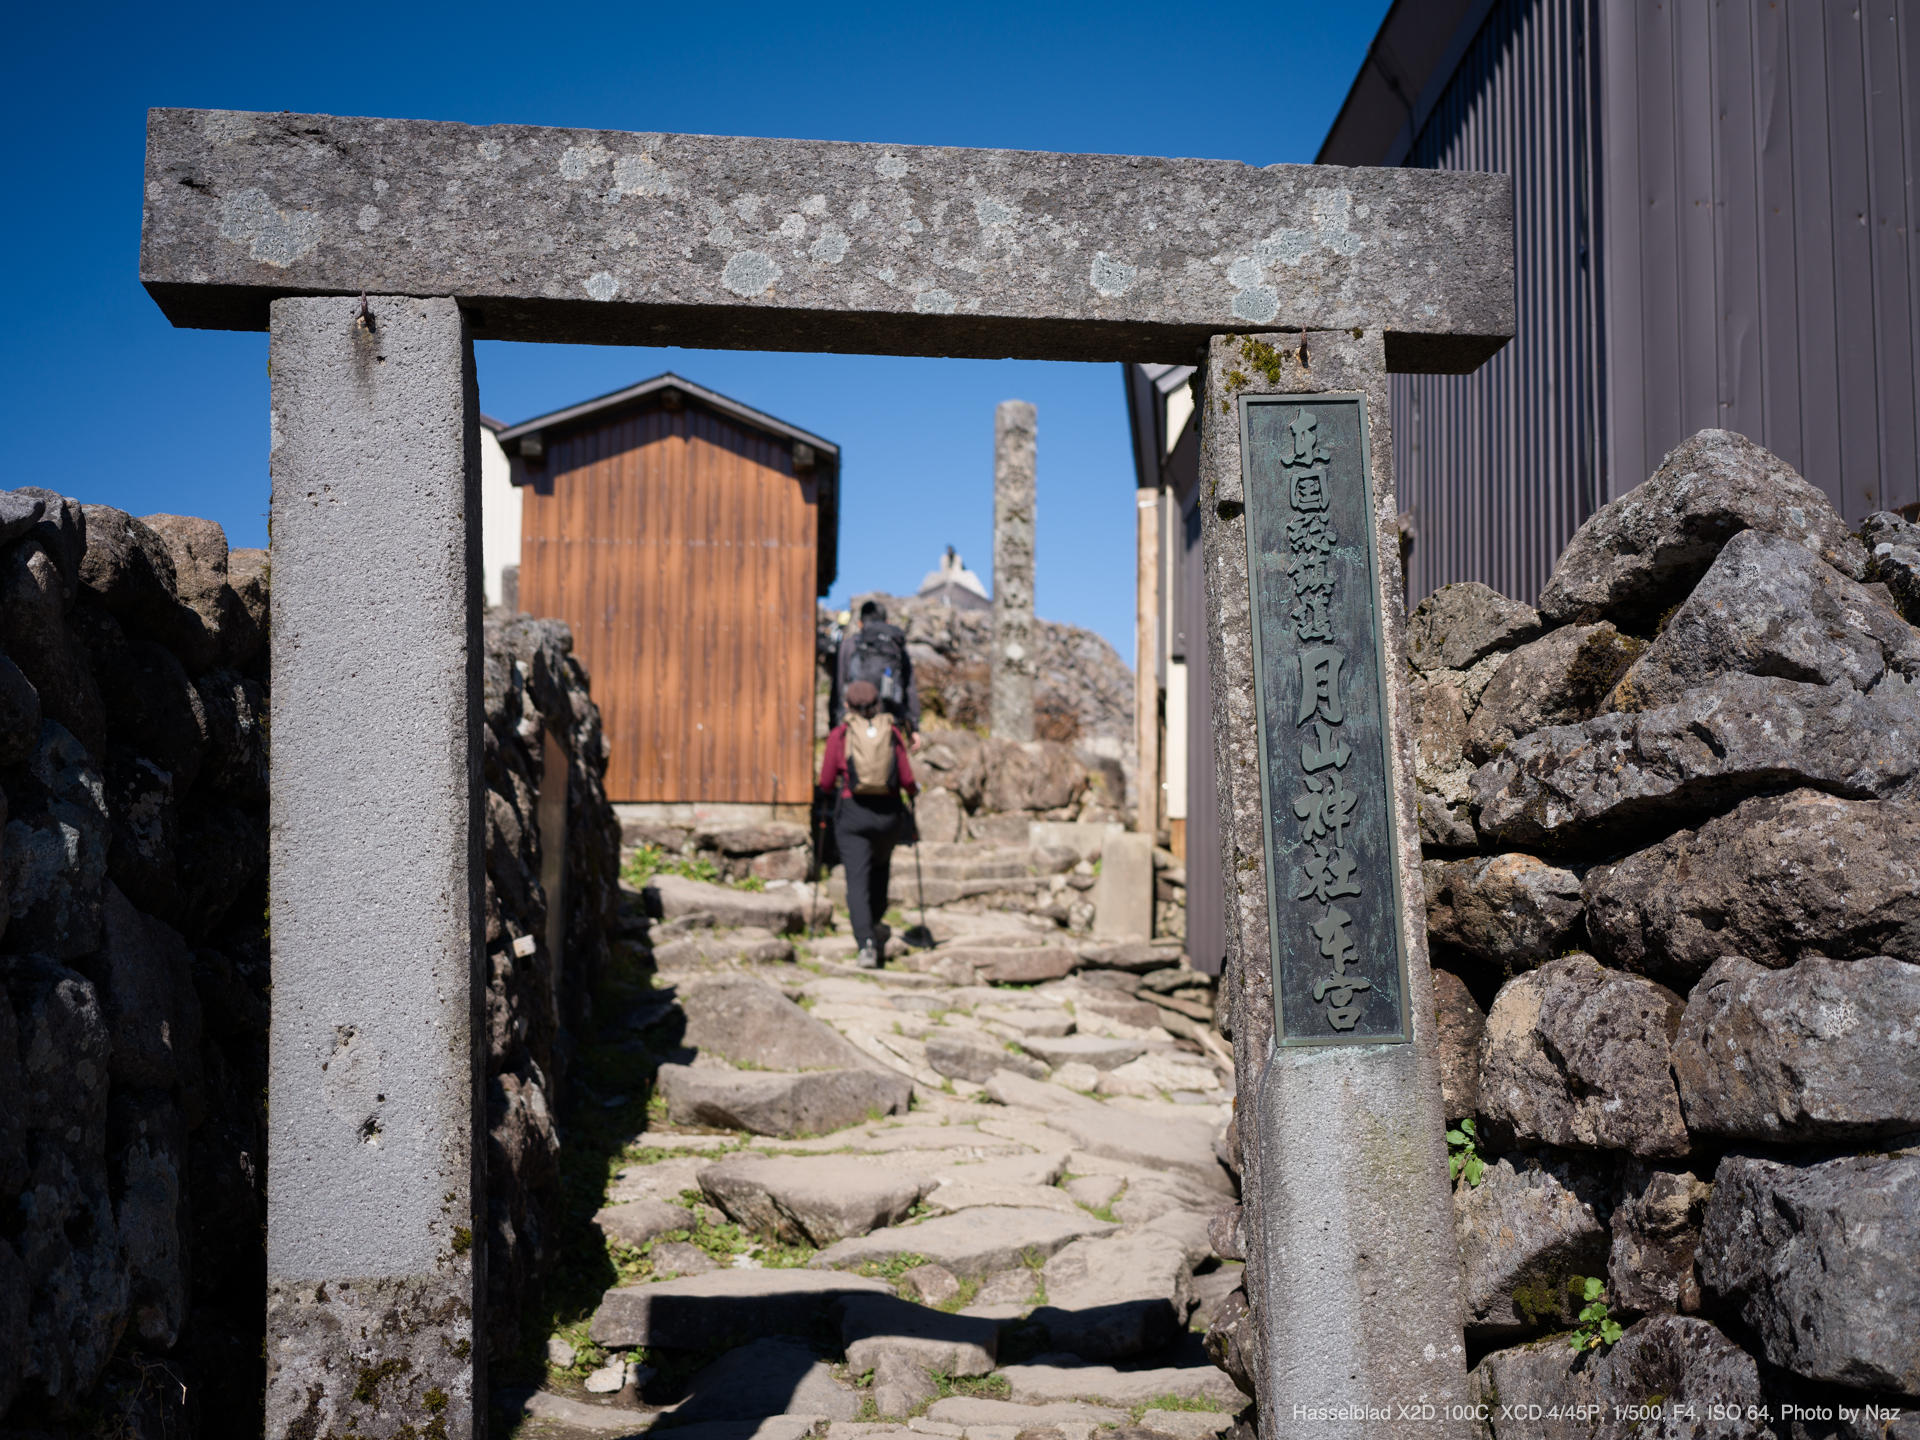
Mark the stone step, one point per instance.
(700, 1310)
(765, 1378)
(971, 1243)
(1112, 1299)
(1138, 956)
(669, 897)
(1144, 1140)
(1095, 1050)
(814, 1102)
(968, 1411)
(747, 1022)
(1051, 1378)
(599, 1418)
(637, 1221)
(873, 1327)
(818, 1199)
(970, 963)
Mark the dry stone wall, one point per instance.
(135, 960)
(1672, 831)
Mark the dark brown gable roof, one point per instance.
(826, 454)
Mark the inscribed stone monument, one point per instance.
(1014, 427)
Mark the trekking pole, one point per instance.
(919, 937)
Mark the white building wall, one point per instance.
(499, 514)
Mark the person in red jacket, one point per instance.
(865, 770)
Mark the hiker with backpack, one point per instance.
(865, 771)
(877, 653)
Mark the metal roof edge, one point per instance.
(664, 381)
(1437, 71)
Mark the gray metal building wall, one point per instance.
(1760, 272)
(1714, 205)
(1500, 467)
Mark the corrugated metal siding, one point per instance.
(1761, 277)
(1500, 467)
(1714, 207)
(681, 549)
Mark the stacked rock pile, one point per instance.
(1673, 875)
(1083, 690)
(979, 1193)
(134, 960)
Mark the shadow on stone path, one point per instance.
(803, 1199)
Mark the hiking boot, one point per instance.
(869, 957)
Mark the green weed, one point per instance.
(1595, 1328)
(1463, 1154)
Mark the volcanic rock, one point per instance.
(1615, 776)
(1839, 878)
(1824, 1050)
(1638, 556)
(1767, 607)
(1818, 1262)
(1576, 1054)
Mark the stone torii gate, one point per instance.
(376, 252)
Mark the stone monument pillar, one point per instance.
(1349, 1216)
(1014, 425)
(376, 1202)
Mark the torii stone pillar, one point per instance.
(1014, 437)
(455, 232)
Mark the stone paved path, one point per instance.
(1019, 1244)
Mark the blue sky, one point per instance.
(103, 400)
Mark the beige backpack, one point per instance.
(870, 753)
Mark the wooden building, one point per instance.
(685, 538)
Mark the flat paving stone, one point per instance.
(1185, 1424)
(965, 1139)
(1017, 1286)
(664, 1180)
(973, 963)
(670, 896)
(1191, 1230)
(1144, 1140)
(967, 1410)
(638, 1221)
(815, 1199)
(1112, 1299)
(1095, 1191)
(749, 1022)
(774, 1427)
(1023, 1130)
(702, 1310)
(673, 1258)
(1048, 1021)
(1025, 1169)
(815, 1102)
(1017, 1092)
(962, 1193)
(873, 1326)
(1095, 1050)
(574, 1414)
(970, 1243)
(762, 1379)
(964, 1055)
(1047, 1379)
